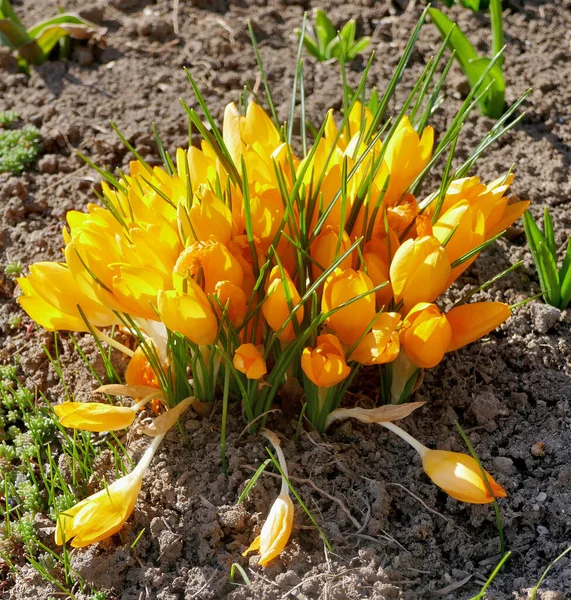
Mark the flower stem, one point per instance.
(114, 343)
(275, 442)
(148, 455)
(420, 448)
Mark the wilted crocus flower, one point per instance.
(102, 514)
(277, 528)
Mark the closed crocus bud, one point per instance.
(419, 271)
(249, 360)
(51, 297)
(463, 228)
(381, 345)
(234, 297)
(349, 322)
(189, 314)
(276, 308)
(406, 155)
(266, 208)
(460, 477)
(139, 371)
(327, 248)
(102, 514)
(94, 416)
(470, 322)
(426, 335)
(325, 364)
(376, 258)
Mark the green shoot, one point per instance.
(555, 283)
(492, 104)
(327, 43)
(544, 574)
(34, 45)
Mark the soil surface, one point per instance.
(394, 534)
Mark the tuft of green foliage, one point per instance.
(43, 471)
(492, 104)
(555, 283)
(329, 43)
(14, 269)
(34, 45)
(18, 147)
(7, 117)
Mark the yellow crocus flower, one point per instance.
(248, 359)
(419, 271)
(425, 335)
(188, 313)
(103, 514)
(51, 298)
(470, 322)
(276, 309)
(457, 474)
(325, 364)
(350, 321)
(381, 345)
(277, 529)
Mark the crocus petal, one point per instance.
(470, 322)
(460, 477)
(94, 416)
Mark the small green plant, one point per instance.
(15, 321)
(18, 148)
(555, 283)
(492, 103)
(14, 269)
(329, 43)
(7, 117)
(34, 45)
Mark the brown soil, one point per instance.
(394, 534)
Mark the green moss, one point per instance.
(18, 147)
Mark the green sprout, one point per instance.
(555, 283)
(18, 147)
(13, 269)
(15, 321)
(33, 45)
(493, 103)
(329, 43)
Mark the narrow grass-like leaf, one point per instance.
(482, 593)
(301, 502)
(253, 480)
(544, 574)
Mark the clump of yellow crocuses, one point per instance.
(251, 262)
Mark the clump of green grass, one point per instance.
(18, 147)
(32, 482)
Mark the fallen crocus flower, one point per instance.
(276, 530)
(102, 514)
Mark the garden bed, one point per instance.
(394, 534)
